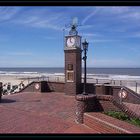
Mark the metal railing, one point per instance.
(132, 84)
(47, 78)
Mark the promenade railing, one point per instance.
(132, 84)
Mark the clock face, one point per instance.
(70, 41)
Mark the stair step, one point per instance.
(105, 124)
(134, 107)
(81, 128)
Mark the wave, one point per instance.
(89, 75)
(15, 73)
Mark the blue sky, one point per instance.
(33, 36)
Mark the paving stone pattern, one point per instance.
(39, 113)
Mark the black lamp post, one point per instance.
(85, 48)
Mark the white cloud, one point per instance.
(38, 22)
(7, 13)
(41, 19)
(111, 10)
(131, 14)
(115, 9)
(90, 15)
(91, 34)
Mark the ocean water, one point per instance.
(112, 73)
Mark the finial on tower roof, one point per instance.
(74, 25)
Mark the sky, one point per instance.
(34, 36)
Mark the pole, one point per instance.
(121, 95)
(136, 86)
(85, 72)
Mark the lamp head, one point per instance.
(85, 45)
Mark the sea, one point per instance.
(112, 73)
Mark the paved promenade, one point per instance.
(39, 113)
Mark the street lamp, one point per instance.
(85, 48)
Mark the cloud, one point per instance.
(132, 14)
(115, 9)
(97, 38)
(7, 13)
(38, 22)
(41, 19)
(90, 15)
(99, 11)
(91, 34)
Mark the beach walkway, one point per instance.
(39, 113)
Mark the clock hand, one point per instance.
(70, 40)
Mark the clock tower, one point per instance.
(72, 50)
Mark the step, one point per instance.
(134, 107)
(81, 128)
(106, 124)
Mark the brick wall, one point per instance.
(131, 97)
(101, 89)
(103, 103)
(55, 86)
(31, 87)
(90, 88)
(44, 87)
(106, 106)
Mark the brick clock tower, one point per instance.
(72, 50)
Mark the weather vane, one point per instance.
(74, 24)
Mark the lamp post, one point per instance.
(85, 48)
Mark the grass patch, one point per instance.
(122, 116)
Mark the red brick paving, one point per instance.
(39, 113)
(46, 113)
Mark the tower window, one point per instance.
(70, 67)
(70, 77)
